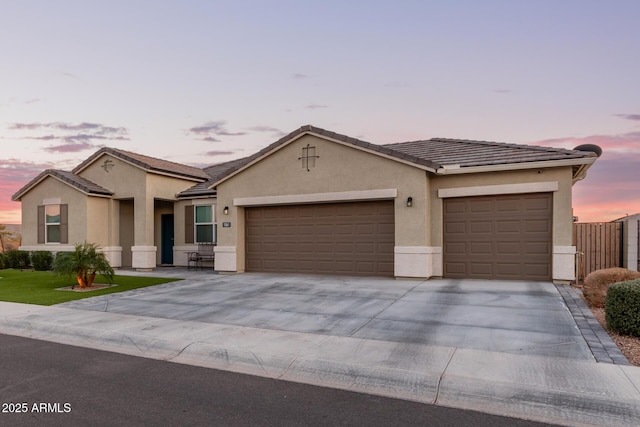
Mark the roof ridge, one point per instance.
(145, 162)
(503, 144)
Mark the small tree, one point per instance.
(84, 262)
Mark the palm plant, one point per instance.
(84, 262)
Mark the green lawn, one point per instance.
(39, 287)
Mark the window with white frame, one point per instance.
(205, 225)
(52, 223)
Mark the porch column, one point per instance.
(143, 254)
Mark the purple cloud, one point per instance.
(629, 116)
(267, 129)
(219, 153)
(210, 130)
(298, 76)
(316, 106)
(608, 192)
(74, 137)
(70, 147)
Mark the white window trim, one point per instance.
(213, 223)
(47, 224)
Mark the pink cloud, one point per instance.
(14, 174)
(610, 190)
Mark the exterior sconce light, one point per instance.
(409, 202)
(226, 210)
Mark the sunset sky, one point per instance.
(200, 82)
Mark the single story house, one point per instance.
(319, 202)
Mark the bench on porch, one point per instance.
(204, 255)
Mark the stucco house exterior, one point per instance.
(319, 202)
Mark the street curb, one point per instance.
(529, 387)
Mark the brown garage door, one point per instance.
(333, 238)
(498, 237)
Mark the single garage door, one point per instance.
(333, 238)
(498, 237)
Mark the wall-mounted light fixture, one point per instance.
(226, 210)
(409, 201)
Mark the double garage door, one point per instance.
(354, 238)
(498, 237)
(486, 237)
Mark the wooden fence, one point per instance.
(599, 245)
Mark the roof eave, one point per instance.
(584, 162)
(46, 174)
(135, 163)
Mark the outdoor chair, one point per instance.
(205, 254)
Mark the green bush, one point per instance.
(17, 259)
(3, 261)
(41, 260)
(622, 308)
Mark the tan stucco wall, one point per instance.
(51, 188)
(130, 182)
(562, 210)
(339, 168)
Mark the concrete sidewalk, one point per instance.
(546, 389)
(551, 389)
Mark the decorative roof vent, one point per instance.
(590, 148)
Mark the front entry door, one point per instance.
(166, 255)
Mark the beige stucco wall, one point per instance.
(127, 181)
(563, 252)
(562, 210)
(52, 188)
(339, 168)
(181, 248)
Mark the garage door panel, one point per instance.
(479, 207)
(537, 226)
(507, 226)
(458, 227)
(481, 268)
(480, 248)
(508, 248)
(542, 203)
(509, 237)
(482, 227)
(508, 204)
(343, 238)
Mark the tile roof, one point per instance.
(432, 154)
(70, 178)
(214, 172)
(467, 153)
(150, 164)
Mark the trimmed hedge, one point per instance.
(622, 308)
(41, 260)
(17, 259)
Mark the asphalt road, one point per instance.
(55, 385)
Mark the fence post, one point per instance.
(630, 245)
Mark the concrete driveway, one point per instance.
(527, 318)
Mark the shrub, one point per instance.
(41, 260)
(84, 262)
(596, 283)
(3, 261)
(622, 308)
(17, 259)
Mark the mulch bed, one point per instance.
(76, 288)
